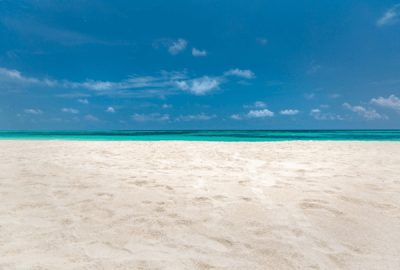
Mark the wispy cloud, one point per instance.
(334, 95)
(318, 115)
(30, 28)
(32, 111)
(391, 102)
(369, 114)
(196, 52)
(177, 46)
(389, 18)
(274, 83)
(72, 95)
(14, 76)
(136, 86)
(260, 113)
(91, 118)
(236, 117)
(248, 74)
(262, 41)
(201, 116)
(167, 106)
(83, 101)
(150, 117)
(385, 82)
(70, 110)
(257, 104)
(309, 96)
(314, 68)
(110, 110)
(289, 112)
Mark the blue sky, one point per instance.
(199, 64)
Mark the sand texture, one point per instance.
(199, 205)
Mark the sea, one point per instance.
(207, 135)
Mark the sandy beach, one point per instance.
(199, 205)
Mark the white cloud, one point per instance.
(110, 110)
(257, 104)
(236, 117)
(262, 41)
(91, 118)
(369, 114)
(84, 101)
(309, 96)
(32, 111)
(316, 113)
(324, 106)
(196, 52)
(389, 18)
(98, 85)
(151, 117)
(201, 116)
(199, 86)
(248, 74)
(314, 68)
(70, 110)
(391, 102)
(167, 106)
(260, 113)
(177, 47)
(334, 95)
(289, 112)
(12, 75)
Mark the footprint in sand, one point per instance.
(200, 241)
(107, 196)
(319, 205)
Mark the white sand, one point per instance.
(199, 205)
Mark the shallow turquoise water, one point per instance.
(208, 135)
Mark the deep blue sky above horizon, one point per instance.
(93, 64)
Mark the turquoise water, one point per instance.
(207, 135)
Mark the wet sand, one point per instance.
(199, 205)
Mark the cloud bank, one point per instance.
(392, 102)
(369, 114)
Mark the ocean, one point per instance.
(207, 135)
